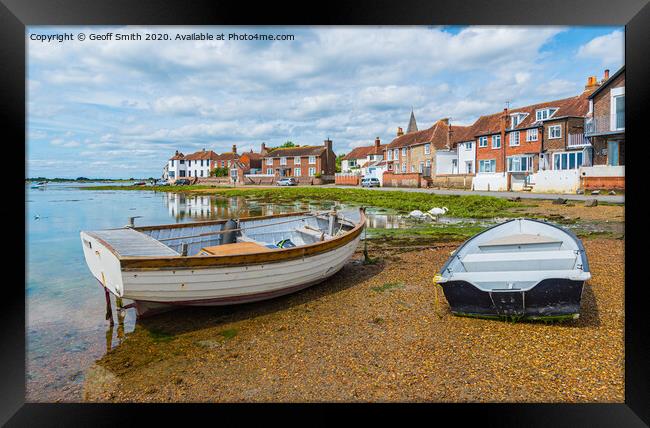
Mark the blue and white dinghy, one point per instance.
(518, 269)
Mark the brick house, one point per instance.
(300, 162)
(544, 136)
(226, 159)
(362, 156)
(605, 122)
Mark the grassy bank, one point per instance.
(459, 206)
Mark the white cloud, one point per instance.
(607, 49)
(115, 99)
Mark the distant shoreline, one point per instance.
(83, 180)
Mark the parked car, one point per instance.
(287, 182)
(182, 182)
(370, 182)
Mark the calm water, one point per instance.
(66, 326)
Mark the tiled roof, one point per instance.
(295, 151)
(362, 152)
(418, 137)
(227, 156)
(438, 135)
(177, 156)
(202, 155)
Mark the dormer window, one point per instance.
(544, 113)
(517, 118)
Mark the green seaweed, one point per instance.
(229, 333)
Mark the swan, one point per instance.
(417, 214)
(437, 212)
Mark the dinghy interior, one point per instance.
(226, 237)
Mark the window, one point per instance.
(520, 163)
(312, 160)
(482, 142)
(189, 172)
(283, 161)
(555, 131)
(182, 161)
(201, 162)
(396, 154)
(404, 167)
(296, 160)
(297, 172)
(617, 106)
(427, 149)
(514, 138)
(531, 134)
(390, 155)
(567, 160)
(189, 163)
(496, 141)
(312, 171)
(469, 167)
(413, 168)
(544, 114)
(172, 162)
(488, 165)
(468, 146)
(269, 170)
(269, 161)
(201, 173)
(421, 167)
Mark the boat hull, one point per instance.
(552, 298)
(231, 285)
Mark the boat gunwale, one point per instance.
(144, 263)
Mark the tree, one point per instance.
(219, 172)
(288, 144)
(339, 158)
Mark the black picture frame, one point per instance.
(15, 15)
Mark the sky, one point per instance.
(121, 108)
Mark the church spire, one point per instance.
(412, 125)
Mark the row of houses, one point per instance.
(560, 145)
(304, 163)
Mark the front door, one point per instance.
(612, 153)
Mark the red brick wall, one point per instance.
(402, 180)
(490, 153)
(304, 166)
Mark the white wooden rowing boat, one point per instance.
(520, 268)
(223, 261)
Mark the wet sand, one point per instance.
(374, 333)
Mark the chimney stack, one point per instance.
(234, 148)
(606, 75)
(400, 131)
(592, 84)
(176, 152)
(328, 144)
(377, 143)
(263, 148)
